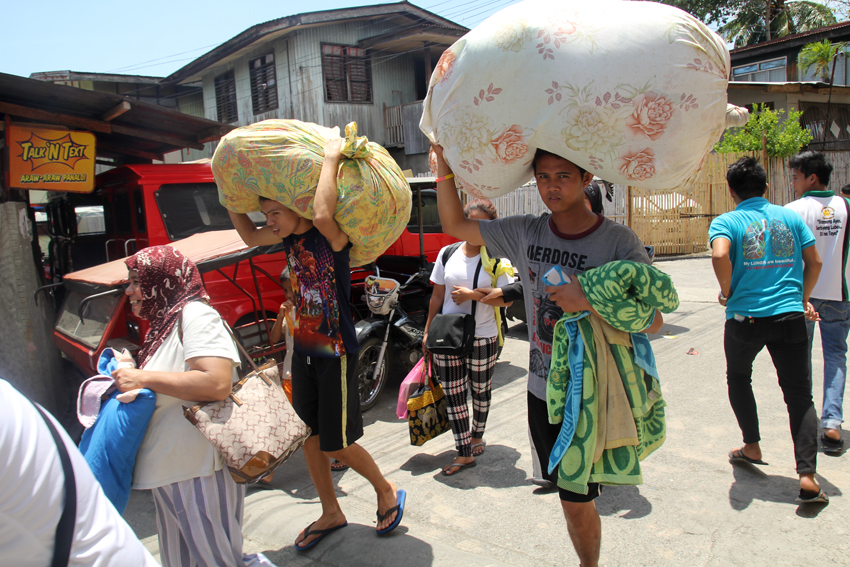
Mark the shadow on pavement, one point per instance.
(616, 499)
(668, 329)
(751, 483)
(337, 549)
(497, 470)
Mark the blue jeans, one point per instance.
(834, 327)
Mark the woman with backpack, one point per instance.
(460, 269)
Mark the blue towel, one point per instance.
(574, 389)
(111, 444)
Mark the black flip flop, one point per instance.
(320, 533)
(812, 497)
(831, 445)
(338, 466)
(737, 455)
(460, 467)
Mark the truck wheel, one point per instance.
(367, 360)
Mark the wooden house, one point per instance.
(369, 64)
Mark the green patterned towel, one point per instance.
(626, 294)
(620, 466)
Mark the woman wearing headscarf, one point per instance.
(187, 357)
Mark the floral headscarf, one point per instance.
(168, 280)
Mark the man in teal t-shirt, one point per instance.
(766, 262)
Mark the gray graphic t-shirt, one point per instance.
(533, 246)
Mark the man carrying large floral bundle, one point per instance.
(573, 239)
(324, 388)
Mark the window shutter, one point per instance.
(347, 74)
(225, 97)
(263, 83)
(359, 75)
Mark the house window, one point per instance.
(225, 97)
(347, 74)
(263, 83)
(772, 71)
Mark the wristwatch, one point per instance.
(724, 297)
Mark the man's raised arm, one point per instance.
(324, 203)
(251, 235)
(452, 219)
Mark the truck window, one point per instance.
(190, 208)
(430, 215)
(123, 213)
(139, 206)
(89, 220)
(97, 316)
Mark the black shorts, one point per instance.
(326, 397)
(544, 435)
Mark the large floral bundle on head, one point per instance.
(633, 91)
(282, 159)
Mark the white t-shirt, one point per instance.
(173, 449)
(459, 271)
(33, 494)
(826, 214)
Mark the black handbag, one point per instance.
(453, 333)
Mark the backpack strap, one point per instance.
(450, 249)
(68, 518)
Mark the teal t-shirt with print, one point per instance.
(767, 259)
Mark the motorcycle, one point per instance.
(396, 328)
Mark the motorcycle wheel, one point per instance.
(367, 359)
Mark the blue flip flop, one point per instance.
(401, 496)
(321, 534)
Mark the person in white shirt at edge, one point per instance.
(826, 214)
(187, 357)
(576, 239)
(474, 373)
(33, 497)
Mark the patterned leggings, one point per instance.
(457, 375)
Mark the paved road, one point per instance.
(694, 508)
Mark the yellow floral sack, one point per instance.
(427, 416)
(282, 160)
(634, 92)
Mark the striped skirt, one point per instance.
(199, 522)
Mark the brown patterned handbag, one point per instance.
(255, 428)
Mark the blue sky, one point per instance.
(157, 37)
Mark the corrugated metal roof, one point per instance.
(123, 126)
(791, 39)
(282, 26)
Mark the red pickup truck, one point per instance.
(148, 205)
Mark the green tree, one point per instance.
(763, 20)
(745, 22)
(781, 137)
(821, 56)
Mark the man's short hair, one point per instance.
(747, 178)
(845, 190)
(542, 153)
(809, 163)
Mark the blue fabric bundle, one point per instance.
(111, 444)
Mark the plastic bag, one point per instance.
(634, 92)
(415, 378)
(282, 160)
